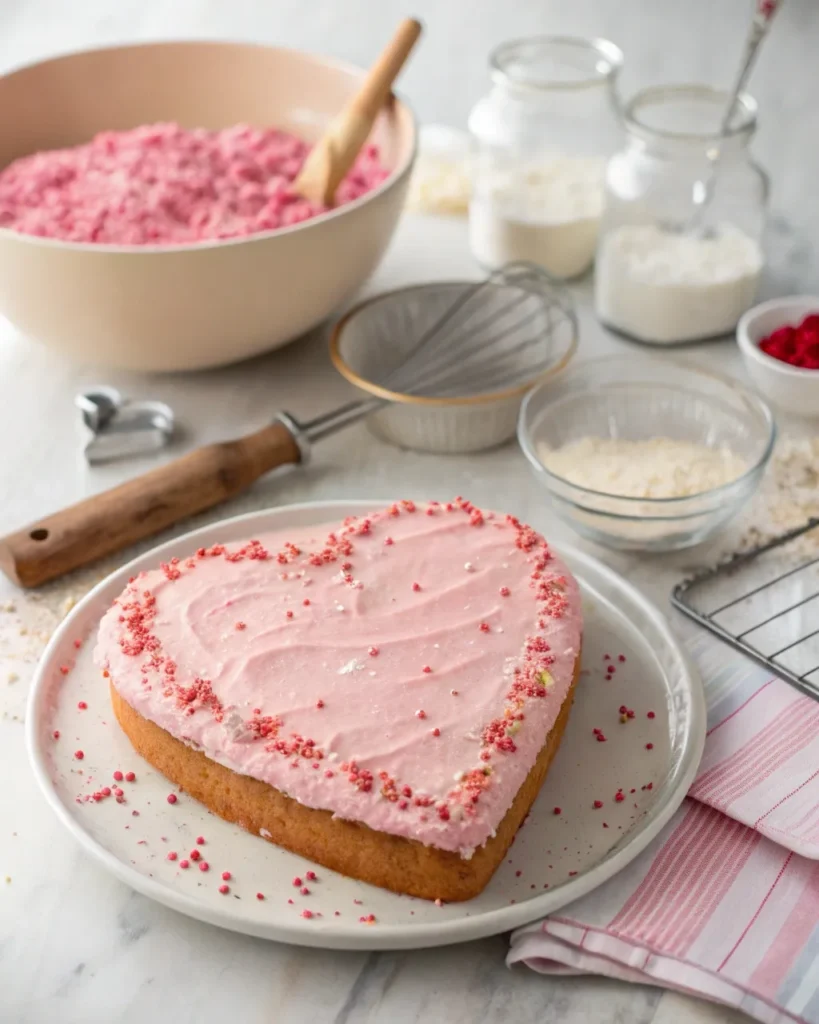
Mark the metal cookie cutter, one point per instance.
(117, 428)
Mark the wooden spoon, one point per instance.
(334, 154)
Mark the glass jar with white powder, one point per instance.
(541, 140)
(670, 267)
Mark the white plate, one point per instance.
(555, 859)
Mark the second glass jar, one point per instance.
(542, 137)
(681, 253)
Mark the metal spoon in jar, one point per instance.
(703, 192)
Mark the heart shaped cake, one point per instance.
(383, 696)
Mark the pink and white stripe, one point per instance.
(710, 908)
(725, 902)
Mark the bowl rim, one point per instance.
(394, 178)
(526, 442)
(355, 378)
(751, 349)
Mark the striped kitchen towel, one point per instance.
(711, 908)
(761, 760)
(725, 902)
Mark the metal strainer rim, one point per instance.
(372, 388)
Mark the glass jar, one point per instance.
(541, 139)
(680, 252)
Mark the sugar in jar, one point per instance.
(541, 139)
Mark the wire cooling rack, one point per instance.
(765, 603)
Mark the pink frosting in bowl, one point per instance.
(402, 670)
(162, 184)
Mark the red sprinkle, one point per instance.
(118, 776)
(426, 669)
(226, 876)
(505, 591)
(650, 714)
(289, 614)
(597, 804)
(259, 895)
(82, 705)
(194, 854)
(56, 734)
(373, 652)
(64, 669)
(311, 876)
(416, 587)
(171, 855)
(297, 881)
(171, 798)
(557, 810)
(436, 731)
(307, 913)
(200, 840)
(484, 627)
(420, 713)
(224, 889)
(204, 866)
(649, 746)
(319, 704)
(621, 657)
(130, 777)
(304, 891)
(241, 625)
(306, 602)
(184, 865)
(79, 755)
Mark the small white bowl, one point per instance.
(790, 387)
(381, 334)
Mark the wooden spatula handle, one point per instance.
(110, 521)
(375, 88)
(335, 152)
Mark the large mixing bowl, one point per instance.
(197, 305)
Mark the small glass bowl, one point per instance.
(638, 400)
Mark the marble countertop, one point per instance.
(78, 946)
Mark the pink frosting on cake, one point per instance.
(403, 671)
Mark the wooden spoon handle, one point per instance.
(143, 506)
(335, 153)
(375, 88)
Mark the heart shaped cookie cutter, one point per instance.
(117, 428)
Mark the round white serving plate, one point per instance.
(556, 858)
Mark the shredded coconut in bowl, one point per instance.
(163, 184)
(659, 467)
